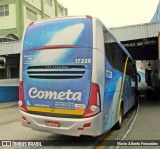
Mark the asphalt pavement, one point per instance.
(147, 122)
(8, 104)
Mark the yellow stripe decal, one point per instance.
(121, 92)
(56, 111)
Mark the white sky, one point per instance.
(113, 13)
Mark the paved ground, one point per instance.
(8, 104)
(147, 123)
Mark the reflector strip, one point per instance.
(58, 111)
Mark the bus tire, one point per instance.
(119, 123)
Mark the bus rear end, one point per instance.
(56, 90)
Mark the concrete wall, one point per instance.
(48, 10)
(35, 3)
(8, 22)
(26, 20)
(154, 70)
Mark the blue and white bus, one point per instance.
(76, 78)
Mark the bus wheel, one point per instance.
(119, 123)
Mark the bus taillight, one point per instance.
(94, 106)
(30, 24)
(89, 17)
(21, 98)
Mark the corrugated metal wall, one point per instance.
(138, 31)
(10, 48)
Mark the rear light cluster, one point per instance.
(21, 102)
(87, 125)
(94, 106)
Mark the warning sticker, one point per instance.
(79, 107)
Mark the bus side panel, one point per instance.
(129, 92)
(98, 77)
(130, 83)
(113, 80)
(98, 65)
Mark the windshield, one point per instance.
(76, 32)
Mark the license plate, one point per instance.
(52, 124)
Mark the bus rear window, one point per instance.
(76, 32)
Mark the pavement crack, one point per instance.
(9, 122)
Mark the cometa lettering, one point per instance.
(69, 95)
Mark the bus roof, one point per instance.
(61, 18)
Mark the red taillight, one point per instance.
(94, 102)
(30, 24)
(89, 17)
(21, 98)
(24, 118)
(87, 125)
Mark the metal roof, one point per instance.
(139, 31)
(10, 47)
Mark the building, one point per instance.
(156, 16)
(16, 14)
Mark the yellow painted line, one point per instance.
(56, 111)
(107, 139)
(122, 88)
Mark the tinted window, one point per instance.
(114, 54)
(131, 68)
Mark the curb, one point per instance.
(8, 104)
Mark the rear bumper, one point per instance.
(68, 126)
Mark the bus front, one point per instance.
(56, 90)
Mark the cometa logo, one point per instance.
(69, 95)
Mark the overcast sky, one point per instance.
(113, 13)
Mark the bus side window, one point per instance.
(109, 55)
(114, 53)
(120, 58)
(131, 68)
(109, 45)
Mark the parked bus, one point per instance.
(76, 78)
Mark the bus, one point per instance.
(75, 77)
